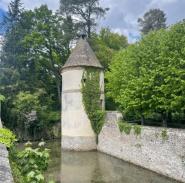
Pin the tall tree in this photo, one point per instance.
(149, 77)
(14, 13)
(48, 43)
(85, 12)
(106, 44)
(31, 59)
(154, 19)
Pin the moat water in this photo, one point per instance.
(95, 167)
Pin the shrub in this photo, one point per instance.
(7, 137)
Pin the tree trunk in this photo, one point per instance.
(0, 116)
(89, 30)
(59, 92)
(169, 117)
(142, 119)
(89, 23)
(164, 119)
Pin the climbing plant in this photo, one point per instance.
(164, 134)
(91, 98)
(127, 127)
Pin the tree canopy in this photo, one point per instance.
(84, 12)
(106, 44)
(34, 50)
(154, 19)
(149, 77)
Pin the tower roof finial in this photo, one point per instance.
(82, 55)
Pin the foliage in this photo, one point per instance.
(148, 77)
(25, 102)
(106, 44)
(91, 98)
(32, 114)
(164, 134)
(48, 43)
(125, 127)
(33, 163)
(17, 176)
(152, 20)
(137, 129)
(35, 47)
(2, 98)
(14, 11)
(7, 137)
(85, 13)
(29, 164)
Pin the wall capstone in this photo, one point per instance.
(5, 170)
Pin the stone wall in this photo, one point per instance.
(5, 170)
(150, 150)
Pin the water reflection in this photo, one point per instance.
(94, 167)
(54, 170)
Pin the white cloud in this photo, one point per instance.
(52, 4)
(31, 4)
(123, 14)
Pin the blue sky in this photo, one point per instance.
(123, 14)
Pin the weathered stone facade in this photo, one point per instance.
(150, 150)
(79, 143)
(5, 170)
(77, 133)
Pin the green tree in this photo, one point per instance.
(127, 85)
(14, 66)
(25, 104)
(13, 16)
(33, 115)
(148, 77)
(48, 44)
(106, 44)
(31, 59)
(10, 64)
(85, 12)
(152, 20)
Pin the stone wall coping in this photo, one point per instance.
(5, 169)
(156, 128)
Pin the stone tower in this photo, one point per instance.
(77, 133)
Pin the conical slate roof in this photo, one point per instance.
(82, 55)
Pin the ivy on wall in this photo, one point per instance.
(91, 98)
(127, 127)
